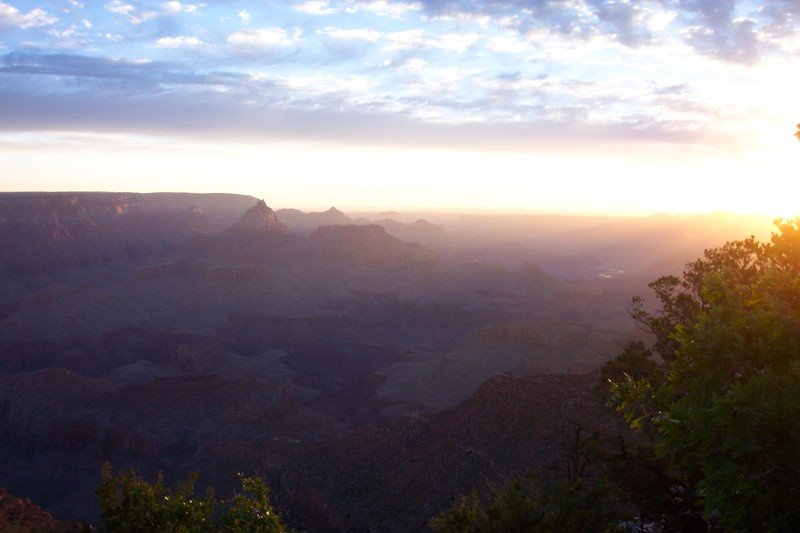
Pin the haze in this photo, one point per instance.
(572, 106)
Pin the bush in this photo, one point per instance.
(130, 503)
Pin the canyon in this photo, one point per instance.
(371, 369)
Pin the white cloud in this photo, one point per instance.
(404, 40)
(415, 64)
(245, 16)
(176, 7)
(178, 42)
(260, 38)
(658, 19)
(315, 7)
(68, 33)
(389, 9)
(360, 34)
(116, 6)
(455, 42)
(325, 83)
(11, 16)
(129, 12)
(511, 83)
(409, 39)
(510, 43)
(86, 23)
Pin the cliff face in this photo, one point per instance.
(400, 474)
(17, 514)
(29, 211)
(51, 232)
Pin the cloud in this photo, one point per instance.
(419, 39)
(176, 7)
(359, 34)
(714, 30)
(65, 38)
(510, 43)
(737, 42)
(257, 39)
(781, 17)
(347, 43)
(389, 9)
(383, 8)
(80, 93)
(726, 30)
(129, 11)
(630, 23)
(13, 17)
(454, 42)
(325, 83)
(529, 66)
(315, 7)
(178, 42)
(405, 40)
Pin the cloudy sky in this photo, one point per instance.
(636, 106)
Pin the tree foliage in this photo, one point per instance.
(129, 503)
(523, 506)
(718, 394)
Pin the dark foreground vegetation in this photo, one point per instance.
(130, 503)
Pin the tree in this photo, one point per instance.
(522, 505)
(129, 503)
(250, 510)
(719, 391)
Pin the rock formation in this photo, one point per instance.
(258, 220)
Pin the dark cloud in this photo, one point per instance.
(79, 67)
(625, 21)
(783, 17)
(713, 28)
(735, 42)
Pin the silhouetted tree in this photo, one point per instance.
(718, 394)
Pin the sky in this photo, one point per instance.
(569, 106)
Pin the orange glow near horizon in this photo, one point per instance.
(313, 176)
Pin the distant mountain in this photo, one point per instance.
(243, 251)
(305, 223)
(258, 220)
(362, 243)
(420, 231)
